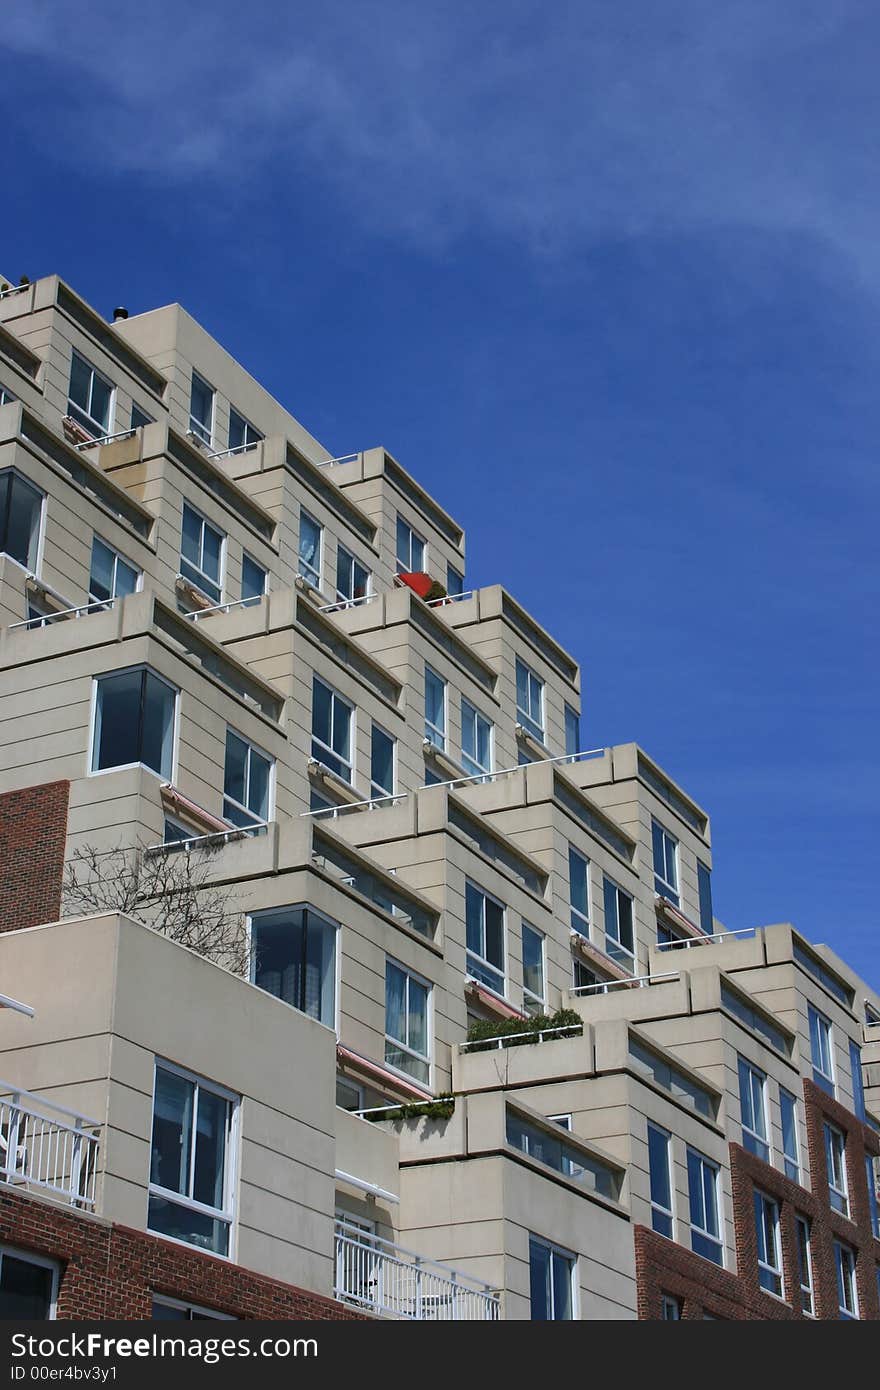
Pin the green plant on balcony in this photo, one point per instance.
(520, 1032)
(440, 1108)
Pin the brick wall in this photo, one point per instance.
(110, 1271)
(33, 833)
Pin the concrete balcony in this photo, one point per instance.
(383, 1278)
(46, 1148)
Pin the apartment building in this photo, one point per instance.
(341, 978)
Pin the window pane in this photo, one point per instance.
(210, 1161)
(20, 519)
(539, 1282)
(395, 1002)
(704, 880)
(473, 900)
(117, 730)
(321, 702)
(25, 1289)
(418, 1017)
(191, 540)
(169, 1218)
(172, 1131)
(236, 763)
(158, 732)
(533, 961)
(561, 1287)
(80, 382)
(258, 789)
(494, 933)
(101, 578)
(101, 397)
(253, 578)
(658, 1156)
(381, 760)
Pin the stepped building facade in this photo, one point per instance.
(340, 979)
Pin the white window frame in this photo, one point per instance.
(668, 1212)
(823, 1039)
(251, 435)
(206, 1314)
(431, 730)
(352, 731)
(609, 935)
(305, 569)
(399, 1043)
(253, 598)
(666, 889)
(805, 1266)
(525, 717)
(368, 587)
(528, 996)
(845, 1273)
(41, 524)
(575, 912)
(754, 1140)
(468, 762)
(327, 921)
(791, 1162)
(197, 427)
(377, 792)
(572, 1259)
(711, 1237)
(93, 771)
(670, 1307)
(30, 1257)
(198, 569)
(75, 411)
(482, 959)
(835, 1166)
(414, 535)
(270, 789)
(228, 1213)
(768, 1243)
(117, 557)
(571, 717)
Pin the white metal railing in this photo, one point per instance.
(450, 598)
(235, 832)
(685, 942)
(331, 812)
(45, 1146)
(45, 618)
(343, 458)
(347, 603)
(383, 1278)
(105, 439)
(236, 449)
(639, 981)
(568, 1030)
(506, 771)
(14, 289)
(222, 607)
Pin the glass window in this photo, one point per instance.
(21, 514)
(660, 1166)
(201, 553)
(805, 1263)
(410, 549)
(191, 1177)
(332, 719)
(407, 1030)
(171, 1309)
(293, 953)
(110, 576)
(835, 1162)
(139, 418)
(533, 968)
(27, 1286)
(247, 782)
(769, 1249)
(485, 938)
(529, 700)
(753, 1109)
(242, 434)
(551, 1281)
(476, 741)
(704, 1206)
(665, 863)
(90, 397)
(572, 731)
(872, 1177)
(790, 1147)
(349, 1094)
(173, 833)
(755, 1021)
(253, 580)
(821, 973)
(858, 1087)
(821, 1049)
(310, 547)
(201, 409)
(551, 1149)
(134, 722)
(670, 1308)
(454, 581)
(579, 891)
(619, 944)
(352, 578)
(704, 885)
(671, 1079)
(845, 1266)
(381, 763)
(435, 709)
(6, 396)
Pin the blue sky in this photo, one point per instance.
(606, 278)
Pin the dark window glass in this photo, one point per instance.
(21, 507)
(25, 1289)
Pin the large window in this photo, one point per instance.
(352, 578)
(134, 722)
(821, 1049)
(90, 398)
(858, 1085)
(619, 943)
(660, 1168)
(21, 514)
(803, 1233)
(28, 1286)
(672, 1080)
(310, 548)
(435, 709)
(110, 575)
(704, 1206)
(529, 701)
(551, 1281)
(557, 1153)
(845, 1267)
(572, 731)
(293, 955)
(476, 741)
(247, 782)
(704, 886)
(254, 580)
(191, 1167)
(381, 763)
(201, 553)
(753, 1109)
(665, 863)
(790, 1147)
(768, 1243)
(484, 917)
(411, 549)
(454, 581)
(332, 724)
(579, 891)
(201, 409)
(835, 1162)
(533, 968)
(407, 1023)
(242, 434)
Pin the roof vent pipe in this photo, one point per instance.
(120, 313)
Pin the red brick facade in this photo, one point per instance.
(33, 833)
(111, 1272)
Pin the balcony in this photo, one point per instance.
(46, 1148)
(384, 1279)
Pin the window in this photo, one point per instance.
(579, 891)
(572, 731)
(201, 553)
(173, 833)
(410, 549)
(660, 1168)
(454, 581)
(753, 1109)
(553, 1150)
(618, 925)
(476, 741)
(704, 886)
(381, 763)
(872, 1177)
(191, 1165)
(529, 701)
(21, 515)
(349, 1094)
(858, 1086)
(769, 1249)
(665, 863)
(242, 434)
(551, 1281)
(310, 547)
(90, 398)
(6, 396)
(703, 1197)
(670, 1308)
(253, 580)
(134, 722)
(672, 1080)
(485, 938)
(435, 709)
(332, 719)
(407, 1023)
(845, 1265)
(172, 1308)
(821, 1049)
(28, 1286)
(533, 969)
(139, 418)
(821, 973)
(293, 956)
(110, 575)
(352, 578)
(805, 1263)
(835, 1162)
(247, 782)
(790, 1148)
(201, 409)
(735, 1004)
(582, 976)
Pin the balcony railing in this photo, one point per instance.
(685, 943)
(383, 1278)
(45, 1147)
(63, 614)
(634, 982)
